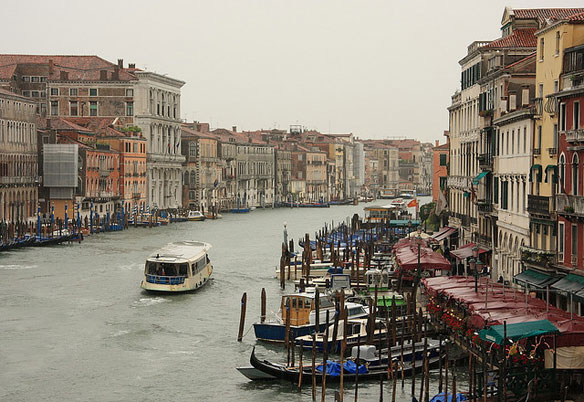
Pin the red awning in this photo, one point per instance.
(429, 260)
(466, 251)
(443, 233)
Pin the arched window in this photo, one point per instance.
(575, 163)
(193, 179)
(562, 169)
(186, 179)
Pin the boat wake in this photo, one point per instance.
(15, 267)
(149, 301)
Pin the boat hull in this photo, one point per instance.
(190, 284)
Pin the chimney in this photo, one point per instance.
(234, 129)
(116, 73)
(51, 66)
(64, 75)
(437, 143)
(132, 65)
(103, 75)
(121, 63)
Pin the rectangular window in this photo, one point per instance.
(540, 91)
(524, 139)
(555, 139)
(92, 91)
(562, 117)
(496, 190)
(93, 108)
(539, 137)
(73, 108)
(504, 195)
(442, 159)
(129, 108)
(54, 91)
(73, 92)
(25, 93)
(26, 78)
(129, 92)
(557, 43)
(54, 108)
(541, 49)
(561, 240)
(574, 240)
(35, 79)
(576, 116)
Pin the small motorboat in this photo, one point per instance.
(196, 216)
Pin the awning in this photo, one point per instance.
(476, 180)
(570, 283)
(466, 251)
(517, 331)
(537, 168)
(534, 278)
(554, 173)
(404, 222)
(443, 233)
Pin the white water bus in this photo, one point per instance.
(178, 267)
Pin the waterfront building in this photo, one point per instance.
(283, 176)
(383, 163)
(18, 158)
(565, 37)
(203, 174)
(131, 146)
(440, 162)
(157, 112)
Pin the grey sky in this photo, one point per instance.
(374, 68)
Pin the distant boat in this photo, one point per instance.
(196, 216)
(240, 210)
(178, 267)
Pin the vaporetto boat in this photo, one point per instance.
(178, 267)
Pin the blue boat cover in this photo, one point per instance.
(335, 270)
(440, 397)
(334, 368)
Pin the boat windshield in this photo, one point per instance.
(166, 269)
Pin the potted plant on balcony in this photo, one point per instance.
(569, 209)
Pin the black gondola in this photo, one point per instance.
(374, 372)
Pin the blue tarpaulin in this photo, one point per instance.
(441, 396)
(334, 368)
(335, 270)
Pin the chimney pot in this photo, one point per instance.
(51, 66)
(121, 63)
(234, 129)
(132, 65)
(437, 142)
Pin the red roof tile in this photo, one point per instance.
(78, 67)
(518, 38)
(541, 14)
(62, 124)
(579, 17)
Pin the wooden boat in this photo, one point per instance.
(240, 210)
(371, 372)
(178, 267)
(302, 310)
(195, 216)
(19, 243)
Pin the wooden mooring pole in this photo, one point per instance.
(242, 317)
(263, 306)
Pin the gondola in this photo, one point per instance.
(366, 372)
(27, 242)
(43, 242)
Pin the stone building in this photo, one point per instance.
(18, 157)
(157, 113)
(440, 160)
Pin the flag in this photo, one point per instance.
(441, 203)
(413, 203)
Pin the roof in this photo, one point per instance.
(62, 124)
(187, 132)
(518, 38)
(79, 67)
(180, 251)
(578, 18)
(441, 147)
(542, 14)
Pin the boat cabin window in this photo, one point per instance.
(199, 265)
(355, 311)
(324, 302)
(166, 269)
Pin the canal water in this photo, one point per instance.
(75, 324)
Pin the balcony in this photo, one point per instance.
(570, 205)
(136, 196)
(538, 107)
(485, 206)
(537, 204)
(575, 135)
(551, 105)
(573, 60)
(105, 172)
(537, 257)
(26, 180)
(485, 161)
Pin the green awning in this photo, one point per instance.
(466, 194)
(534, 278)
(476, 180)
(570, 283)
(404, 222)
(517, 331)
(554, 173)
(398, 302)
(537, 168)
